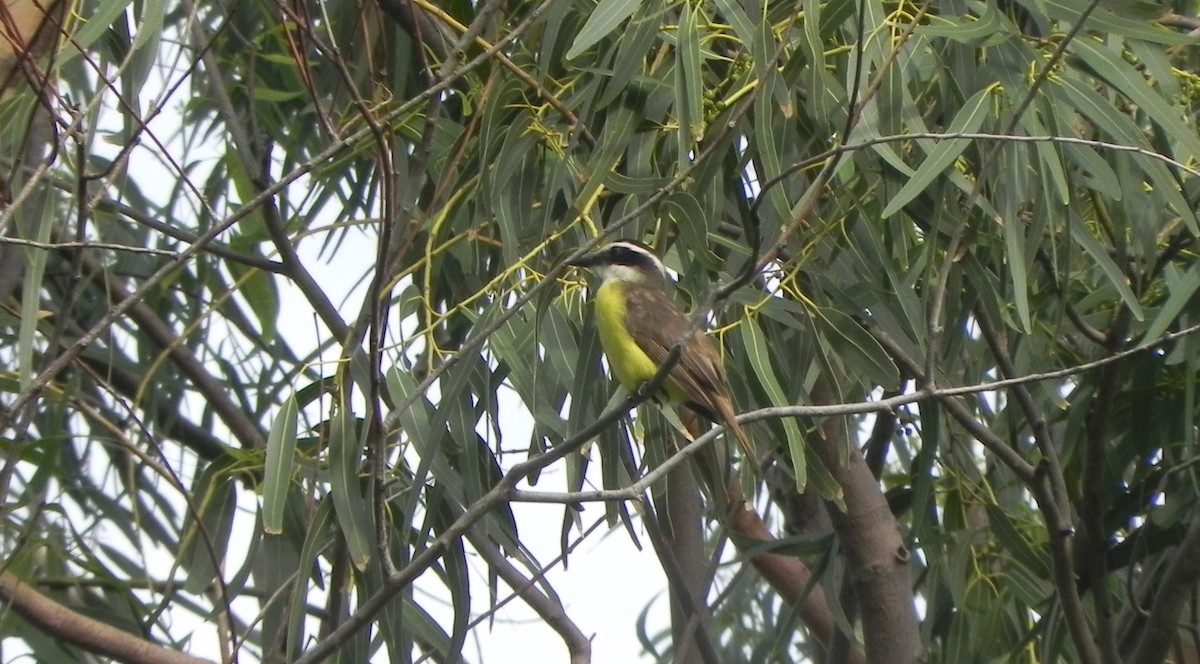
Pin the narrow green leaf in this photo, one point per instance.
(315, 540)
(97, 24)
(756, 37)
(1128, 81)
(1097, 109)
(259, 290)
(263, 93)
(1052, 167)
(1017, 542)
(504, 188)
(274, 580)
(623, 184)
(925, 507)
(1024, 584)
(1121, 129)
(766, 145)
(690, 222)
(31, 298)
(1014, 242)
(823, 98)
(757, 350)
(877, 261)
(968, 29)
(206, 545)
(1095, 172)
(353, 512)
(457, 578)
(603, 20)
(629, 63)
(683, 115)
(619, 130)
(688, 50)
(859, 350)
(513, 344)
(427, 630)
(144, 52)
(1100, 255)
(745, 29)
(589, 392)
(1181, 287)
(943, 156)
(427, 433)
(281, 457)
(1124, 21)
(558, 344)
(760, 358)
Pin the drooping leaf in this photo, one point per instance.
(605, 18)
(972, 115)
(353, 512)
(277, 472)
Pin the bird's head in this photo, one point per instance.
(625, 260)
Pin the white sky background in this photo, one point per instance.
(609, 581)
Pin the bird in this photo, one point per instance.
(639, 323)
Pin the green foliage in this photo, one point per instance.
(323, 309)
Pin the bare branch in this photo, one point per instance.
(60, 622)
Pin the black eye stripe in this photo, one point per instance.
(625, 256)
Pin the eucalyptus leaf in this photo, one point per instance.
(605, 18)
(280, 464)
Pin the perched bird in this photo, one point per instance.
(639, 323)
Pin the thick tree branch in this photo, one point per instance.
(683, 535)
(1095, 544)
(60, 622)
(878, 443)
(687, 578)
(787, 575)
(877, 558)
(1097, 494)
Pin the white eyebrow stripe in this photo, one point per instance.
(637, 248)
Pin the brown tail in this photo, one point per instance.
(729, 420)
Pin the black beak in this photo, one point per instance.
(586, 260)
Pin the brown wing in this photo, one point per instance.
(656, 322)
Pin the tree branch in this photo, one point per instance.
(1095, 543)
(215, 393)
(877, 558)
(787, 575)
(1058, 528)
(683, 540)
(60, 622)
(549, 609)
(1177, 584)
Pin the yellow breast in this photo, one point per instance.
(626, 360)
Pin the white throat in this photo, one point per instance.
(622, 273)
